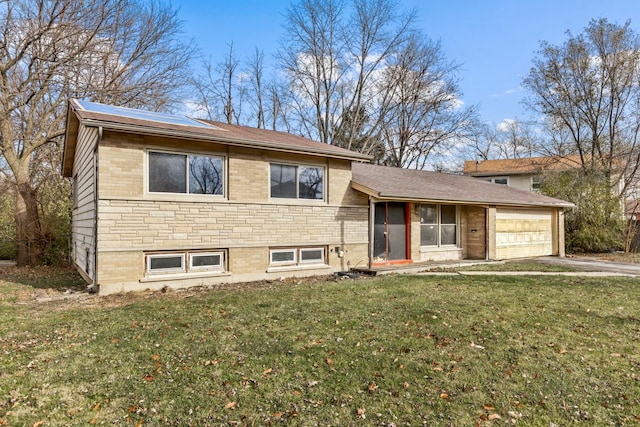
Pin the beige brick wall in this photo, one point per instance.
(125, 271)
(151, 225)
(245, 222)
(248, 175)
(120, 167)
(472, 232)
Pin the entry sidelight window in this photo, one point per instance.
(438, 225)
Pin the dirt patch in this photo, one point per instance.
(49, 299)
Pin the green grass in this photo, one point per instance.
(514, 266)
(399, 350)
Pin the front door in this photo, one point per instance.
(390, 232)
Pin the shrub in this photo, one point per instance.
(596, 224)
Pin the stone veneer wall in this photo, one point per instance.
(245, 223)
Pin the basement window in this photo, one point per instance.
(185, 262)
(297, 256)
(165, 263)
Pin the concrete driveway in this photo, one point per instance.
(592, 264)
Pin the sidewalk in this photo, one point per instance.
(583, 266)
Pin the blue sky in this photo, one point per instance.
(494, 40)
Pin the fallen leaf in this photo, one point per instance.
(329, 361)
(267, 371)
(96, 406)
(148, 378)
(444, 395)
(231, 405)
(405, 385)
(278, 414)
(562, 351)
(155, 357)
(492, 417)
(140, 422)
(372, 387)
(488, 407)
(360, 412)
(93, 421)
(38, 423)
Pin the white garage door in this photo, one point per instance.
(523, 233)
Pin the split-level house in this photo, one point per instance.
(166, 201)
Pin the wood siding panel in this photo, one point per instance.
(83, 244)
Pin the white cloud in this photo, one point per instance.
(507, 92)
(506, 125)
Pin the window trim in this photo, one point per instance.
(298, 166)
(187, 268)
(283, 250)
(213, 267)
(187, 155)
(439, 225)
(314, 261)
(297, 255)
(149, 257)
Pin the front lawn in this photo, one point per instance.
(391, 351)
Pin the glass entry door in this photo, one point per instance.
(390, 232)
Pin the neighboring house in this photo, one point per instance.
(162, 201)
(523, 174)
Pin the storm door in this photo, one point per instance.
(390, 232)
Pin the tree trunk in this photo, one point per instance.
(30, 243)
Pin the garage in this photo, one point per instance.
(522, 232)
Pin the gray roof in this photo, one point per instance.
(386, 182)
(149, 123)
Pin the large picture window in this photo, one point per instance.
(297, 182)
(185, 173)
(438, 225)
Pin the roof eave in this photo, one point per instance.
(70, 140)
(240, 142)
(403, 198)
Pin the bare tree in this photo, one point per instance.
(256, 77)
(588, 89)
(424, 110)
(312, 57)
(221, 91)
(117, 51)
(516, 139)
(360, 74)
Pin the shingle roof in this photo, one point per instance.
(404, 184)
(149, 123)
(529, 165)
